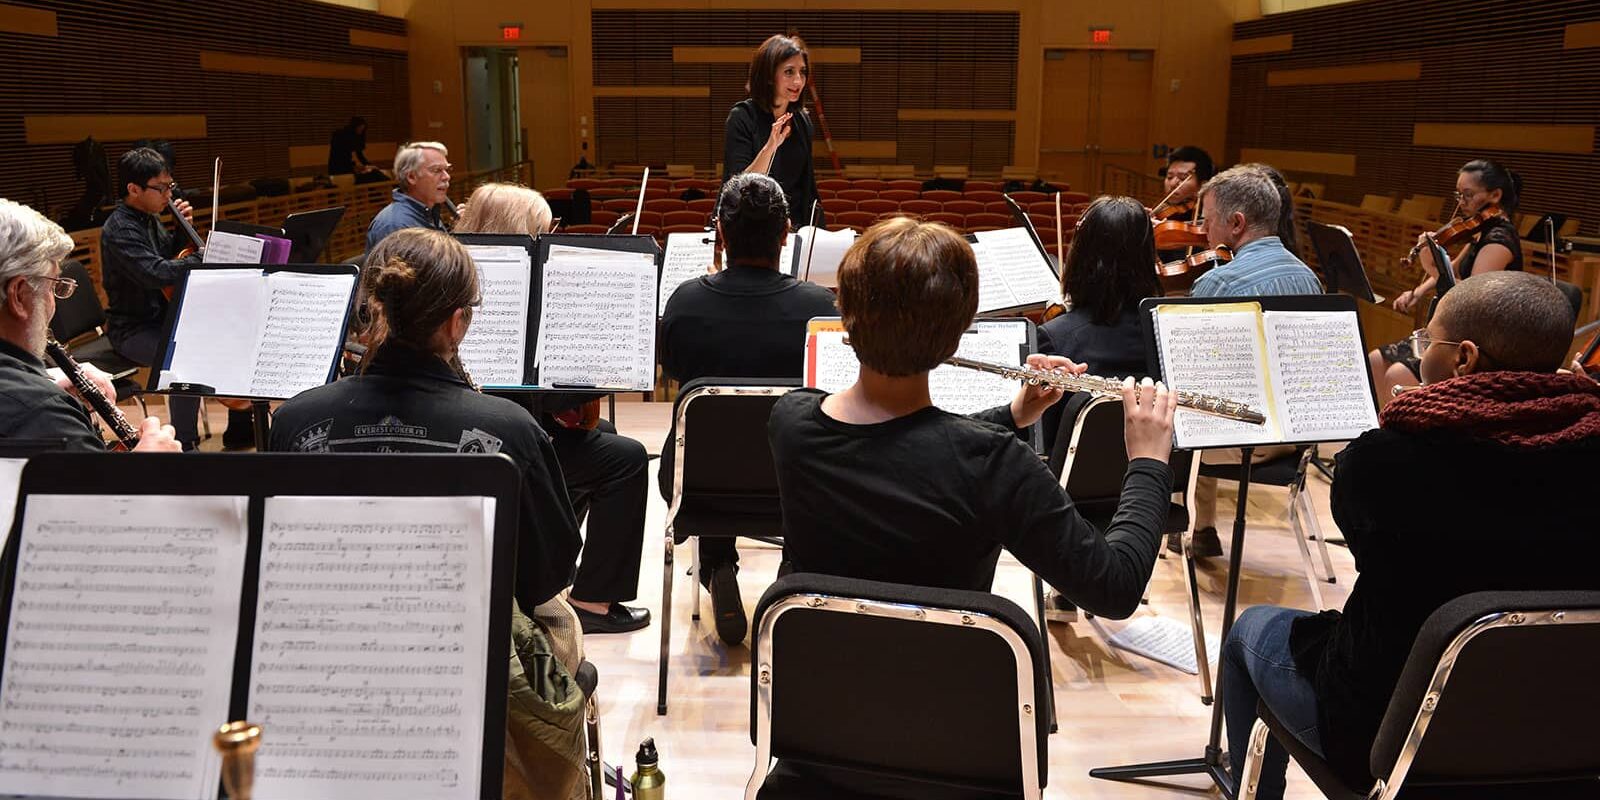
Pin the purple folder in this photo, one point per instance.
(276, 251)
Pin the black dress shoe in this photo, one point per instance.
(727, 607)
(620, 619)
(1206, 543)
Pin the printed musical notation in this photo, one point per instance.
(1320, 375)
(495, 347)
(299, 340)
(109, 692)
(1218, 351)
(370, 646)
(832, 366)
(1011, 271)
(688, 256)
(598, 326)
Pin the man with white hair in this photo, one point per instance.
(422, 182)
(34, 403)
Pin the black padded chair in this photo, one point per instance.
(1498, 699)
(82, 317)
(864, 690)
(724, 485)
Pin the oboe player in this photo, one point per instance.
(34, 403)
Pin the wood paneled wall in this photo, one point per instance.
(1398, 94)
(246, 80)
(872, 66)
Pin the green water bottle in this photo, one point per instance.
(649, 782)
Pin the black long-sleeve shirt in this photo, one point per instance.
(412, 402)
(930, 498)
(744, 134)
(32, 406)
(139, 257)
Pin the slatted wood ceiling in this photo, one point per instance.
(1483, 61)
(112, 58)
(943, 60)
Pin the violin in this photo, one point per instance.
(1173, 235)
(1195, 264)
(1457, 229)
(1589, 358)
(1164, 212)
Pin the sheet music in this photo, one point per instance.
(1216, 349)
(954, 389)
(1011, 271)
(250, 334)
(688, 256)
(1161, 639)
(495, 347)
(301, 335)
(232, 248)
(371, 647)
(10, 482)
(1319, 373)
(830, 248)
(120, 652)
(786, 260)
(598, 327)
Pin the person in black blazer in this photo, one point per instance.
(769, 131)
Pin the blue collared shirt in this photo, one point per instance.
(1261, 268)
(403, 211)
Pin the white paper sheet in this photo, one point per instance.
(495, 347)
(1012, 272)
(120, 653)
(598, 322)
(232, 248)
(954, 389)
(1161, 639)
(1220, 353)
(249, 334)
(1319, 372)
(688, 256)
(371, 647)
(822, 266)
(10, 482)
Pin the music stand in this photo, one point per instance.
(1342, 270)
(1210, 763)
(1022, 219)
(260, 476)
(308, 233)
(248, 229)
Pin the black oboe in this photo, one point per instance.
(91, 394)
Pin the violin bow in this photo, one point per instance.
(1061, 254)
(638, 208)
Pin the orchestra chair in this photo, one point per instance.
(902, 691)
(1494, 701)
(1089, 458)
(723, 481)
(962, 206)
(984, 221)
(856, 194)
(859, 220)
(1381, 203)
(900, 195)
(878, 205)
(1025, 197)
(82, 317)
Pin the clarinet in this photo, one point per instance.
(126, 433)
(1112, 387)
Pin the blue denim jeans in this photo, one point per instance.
(1257, 665)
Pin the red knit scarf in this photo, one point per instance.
(1520, 409)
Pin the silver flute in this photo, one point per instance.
(1112, 387)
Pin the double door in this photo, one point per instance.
(1096, 112)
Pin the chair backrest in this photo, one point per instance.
(80, 313)
(1499, 687)
(723, 457)
(933, 685)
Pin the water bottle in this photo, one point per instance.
(649, 782)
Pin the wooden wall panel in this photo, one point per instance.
(961, 65)
(70, 128)
(113, 60)
(1302, 161)
(1356, 73)
(1514, 80)
(1281, 43)
(31, 21)
(1581, 34)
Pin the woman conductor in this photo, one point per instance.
(769, 131)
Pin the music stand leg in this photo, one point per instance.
(1211, 763)
(261, 419)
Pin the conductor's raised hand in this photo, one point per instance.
(780, 132)
(1147, 411)
(157, 438)
(1031, 401)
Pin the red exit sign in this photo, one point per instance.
(1100, 35)
(510, 32)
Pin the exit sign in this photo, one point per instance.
(1100, 35)
(511, 32)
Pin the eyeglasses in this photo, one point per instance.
(162, 188)
(63, 288)
(1421, 340)
(438, 169)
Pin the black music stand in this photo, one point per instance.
(1210, 762)
(309, 232)
(1023, 220)
(260, 476)
(1342, 270)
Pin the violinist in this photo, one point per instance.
(1486, 190)
(1188, 168)
(1243, 208)
(606, 475)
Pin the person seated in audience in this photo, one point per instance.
(34, 401)
(1491, 452)
(1243, 209)
(607, 476)
(878, 483)
(140, 262)
(413, 396)
(747, 321)
(1480, 184)
(422, 183)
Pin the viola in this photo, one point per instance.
(196, 243)
(1456, 230)
(1173, 235)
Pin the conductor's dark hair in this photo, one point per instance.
(1204, 167)
(1111, 265)
(1494, 175)
(1521, 321)
(754, 217)
(139, 165)
(777, 49)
